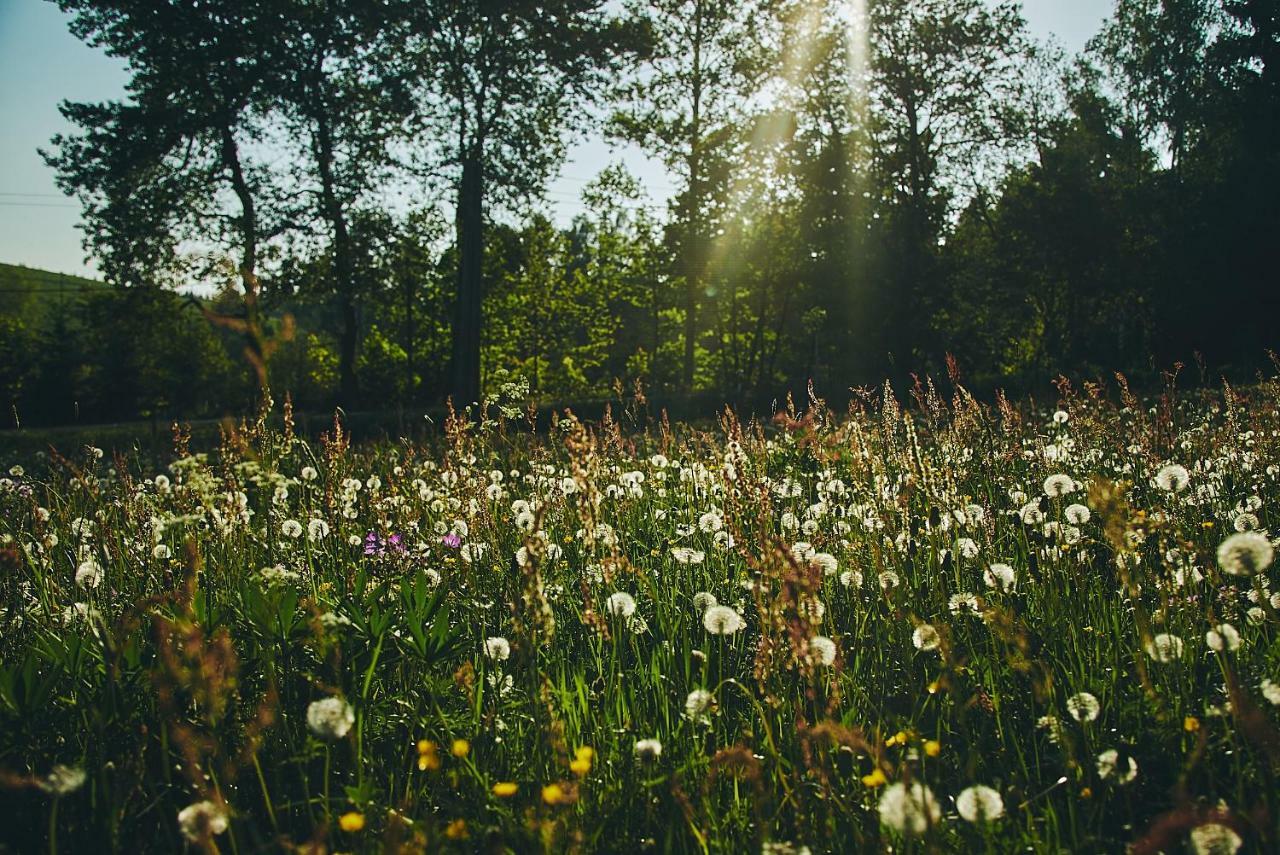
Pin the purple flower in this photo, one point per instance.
(373, 544)
(451, 540)
(396, 542)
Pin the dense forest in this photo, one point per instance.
(346, 200)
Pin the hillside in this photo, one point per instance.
(30, 293)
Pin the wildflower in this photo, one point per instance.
(925, 637)
(201, 820)
(909, 808)
(932, 747)
(62, 780)
(1077, 514)
(1214, 838)
(1191, 724)
(1053, 724)
(889, 579)
(291, 528)
(1271, 691)
(456, 830)
(497, 648)
(648, 750)
(851, 579)
(351, 821)
(826, 562)
(1173, 478)
(621, 604)
(722, 620)
(963, 602)
(999, 576)
(698, 704)
(581, 763)
(317, 529)
(428, 756)
(1109, 764)
(460, 748)
(309, 473)
(1057, 486)
(1165, 647)
(89, 574)
(554, 794)
(979, 803)
(1245, 522)
(875, 779)
(822, 650)
(330, 718)
(452, 540)
(703, 601)
(1222, 637)
(1245, 553)
(685, 555)
(505, 789)
(1083, 706)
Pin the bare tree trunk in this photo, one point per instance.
(252, 331)
(467, 314)
(343, 262)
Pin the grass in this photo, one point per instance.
(503, 641)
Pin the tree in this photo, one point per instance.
(150, 172)
(707, 61)
(500, 82)
(1159, 53)
(344, 98)
(946, 92)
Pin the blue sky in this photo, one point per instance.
(41, 64)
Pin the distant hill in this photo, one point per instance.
(30, 293)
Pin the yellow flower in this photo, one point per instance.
(552, 794)
(581, 762)
(1191, 724)
(875, 779)
(1086, 793)
(1207, 524)
(933, 748)
(456, 830)
(352, 821)
(505, 789)
(428, 756)
(460, 748)
(933, 687)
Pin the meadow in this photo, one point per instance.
(921, 625)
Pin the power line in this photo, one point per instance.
(36, 205)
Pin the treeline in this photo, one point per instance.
(861, 190)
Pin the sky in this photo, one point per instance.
(42, 64)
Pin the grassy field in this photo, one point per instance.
(932, 626)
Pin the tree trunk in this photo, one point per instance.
(694, 250)
(466, 313)
(253, 344)
(343, 262)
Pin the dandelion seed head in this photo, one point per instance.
(330, 718)
(909, 808)
(1245, 553)
(979, 803)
